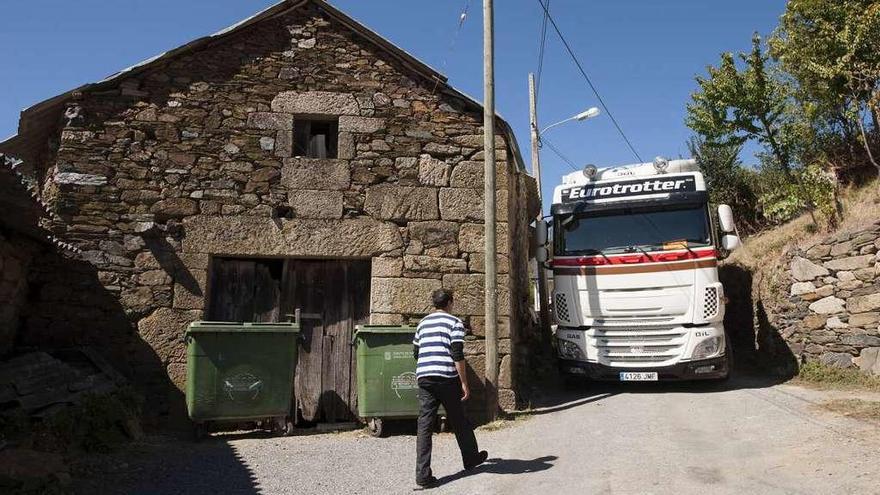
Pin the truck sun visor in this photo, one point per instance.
(637, 187)
(674, 198)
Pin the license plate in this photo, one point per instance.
(638, 376)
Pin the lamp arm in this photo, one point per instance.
(556, 124)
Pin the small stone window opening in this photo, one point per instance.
(315, 138)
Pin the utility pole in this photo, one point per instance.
(491, 282)
(544, 314)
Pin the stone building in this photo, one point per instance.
(296, 160)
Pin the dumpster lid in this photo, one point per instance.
(240, 327)
(385, 329)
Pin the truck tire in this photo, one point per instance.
(571, 382)
(728, 352)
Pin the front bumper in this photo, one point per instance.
(680, 371)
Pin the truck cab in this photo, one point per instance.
(636, 294)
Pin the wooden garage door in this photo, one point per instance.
(245, 290)
(332, 296)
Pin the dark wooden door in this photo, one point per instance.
(333, 297)
(245, 290)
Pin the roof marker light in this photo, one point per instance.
(590, 171)
(661, 164)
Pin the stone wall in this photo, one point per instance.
(192, 159)
(834, 296)
(16, 254)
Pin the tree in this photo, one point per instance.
(832, 49)
(733, 106)
(727, 180)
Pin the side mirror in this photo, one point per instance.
(541, 233)
(725, 219)
(731, 242)
(542, 254)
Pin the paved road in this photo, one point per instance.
(746, 438)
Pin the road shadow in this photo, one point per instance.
(167, 466)
(556, 396)
(503, 466)
(561, 399)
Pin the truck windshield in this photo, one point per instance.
(630, 230)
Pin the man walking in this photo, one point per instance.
(438, 347)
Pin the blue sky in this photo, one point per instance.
(641, 54)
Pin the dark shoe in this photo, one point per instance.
(427, 483)
(476, 461)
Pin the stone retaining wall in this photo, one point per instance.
(834, 291)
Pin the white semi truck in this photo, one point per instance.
(636, 295)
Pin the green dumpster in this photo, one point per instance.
(237, 372)
(386, 375)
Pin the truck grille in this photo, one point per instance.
(633, 346)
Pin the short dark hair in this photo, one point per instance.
(441, 298)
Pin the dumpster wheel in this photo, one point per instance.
(376, 426)
(282, 426)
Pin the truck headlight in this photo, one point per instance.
(570, 350)
(709, 347)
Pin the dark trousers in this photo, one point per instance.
(434, 391)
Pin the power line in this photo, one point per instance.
(461, 18)
(541, 51)
(558, 153)
(587, 78)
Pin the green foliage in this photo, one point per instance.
(832, 47)
(819, 189)
(727, 180)
(783, 195)
(780, 198)
(825, 376)
(832, 50)
(736, 105)
(99, 423)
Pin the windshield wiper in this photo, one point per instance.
(593, 252)
(632, 248)
(696, 241)
(625, 248)
(640, 248)
(685, 245)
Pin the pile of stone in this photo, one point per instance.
(835, 291)
(41, 385)
(36, 386)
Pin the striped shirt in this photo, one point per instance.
(434, 337)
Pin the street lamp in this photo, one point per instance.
(586, 114)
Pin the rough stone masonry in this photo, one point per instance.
(191, 156)
(834, 296)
